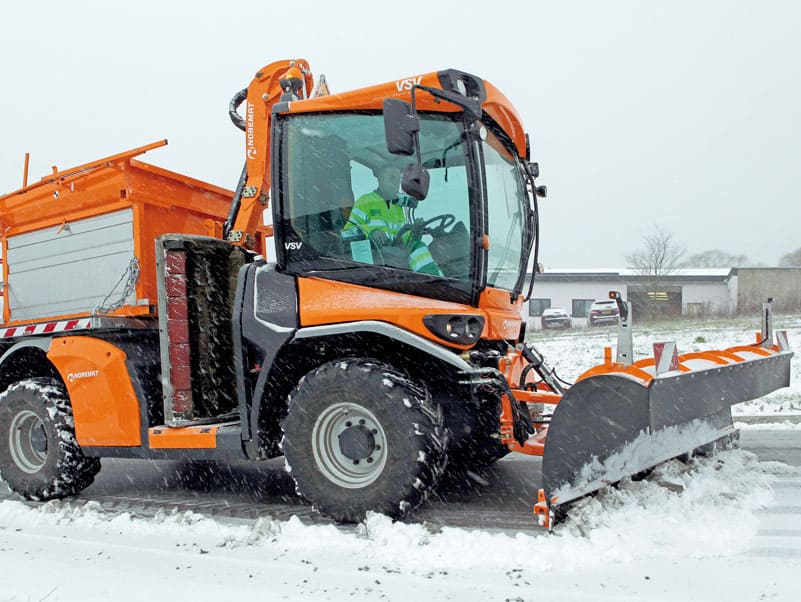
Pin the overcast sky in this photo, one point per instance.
(682, 114)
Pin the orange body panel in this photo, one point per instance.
(104, 404)
(331, 302)
(187, 437)
(503, 317)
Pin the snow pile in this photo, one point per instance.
(706, 508)
(702, 509)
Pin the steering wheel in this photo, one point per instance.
(420, 227)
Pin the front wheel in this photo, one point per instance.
(360, 436)
(39, 456)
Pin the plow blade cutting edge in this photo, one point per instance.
(614, 425)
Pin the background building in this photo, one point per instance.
(693, 293)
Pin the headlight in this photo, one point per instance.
(460, 329)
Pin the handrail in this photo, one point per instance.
(63, 174)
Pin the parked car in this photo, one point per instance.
(555, 317)
(603, 312)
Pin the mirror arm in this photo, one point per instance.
(471, 106)
(417, 133)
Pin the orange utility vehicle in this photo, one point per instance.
(141, 320)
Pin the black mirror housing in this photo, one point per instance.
(400, 126)
(415, 181)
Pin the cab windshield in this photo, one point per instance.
(507, 215)
(343, 213)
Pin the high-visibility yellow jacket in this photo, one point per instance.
(371, 212)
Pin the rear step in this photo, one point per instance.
(223, 436)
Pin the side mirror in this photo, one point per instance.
(415, 181)
(401, 125)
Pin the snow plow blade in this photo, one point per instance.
(613, 425)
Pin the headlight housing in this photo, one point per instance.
(461, 329)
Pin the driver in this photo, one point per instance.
(380, 215)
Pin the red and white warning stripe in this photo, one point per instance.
(782, 341)
(46, 328)
(666, 357)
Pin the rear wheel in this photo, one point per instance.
(39, 456)
(360, 436)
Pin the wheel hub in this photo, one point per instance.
(39, 439)
(27, 441)
(349, 445)
(356, 442)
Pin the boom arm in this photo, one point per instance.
(281, 81)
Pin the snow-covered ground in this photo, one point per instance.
(689, 532)
(571, 352)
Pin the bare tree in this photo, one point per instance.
(792, 259)
(715, 258)
(660, 254)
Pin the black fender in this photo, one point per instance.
(265, 318)
(10, 368)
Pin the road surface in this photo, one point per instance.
(496, 498)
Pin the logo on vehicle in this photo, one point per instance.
(293, 246)
(406, 84)
(251, 146)
(73, 376)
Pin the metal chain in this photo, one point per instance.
(132, 273)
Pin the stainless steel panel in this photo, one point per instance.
(69, 269)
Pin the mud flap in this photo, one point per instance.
(611, 426)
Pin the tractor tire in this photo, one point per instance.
(474, 441)
(40, 459)
(360, 436)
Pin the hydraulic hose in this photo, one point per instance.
(239, 122)
(235, 203)
(237, 100)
